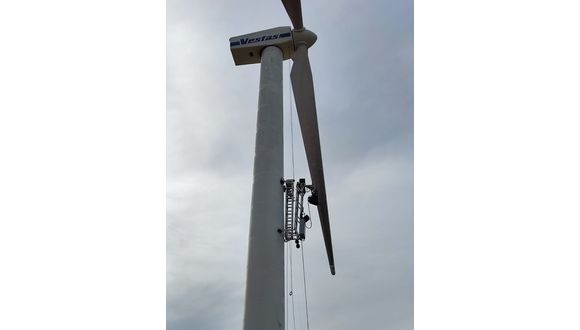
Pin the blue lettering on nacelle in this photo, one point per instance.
(246, 41)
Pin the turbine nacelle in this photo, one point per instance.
(247, 48)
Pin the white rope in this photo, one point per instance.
(292, 290)
(291, 118)
(288, 248)
(305, 296)
(286, 286)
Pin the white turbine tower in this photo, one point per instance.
(274, 219)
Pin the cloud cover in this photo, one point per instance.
(363, 74)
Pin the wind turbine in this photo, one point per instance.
(274, 219)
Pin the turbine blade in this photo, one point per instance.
(294, 10)
(303, 86)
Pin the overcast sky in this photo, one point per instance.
(363, 76)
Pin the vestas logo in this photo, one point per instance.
(253, 40)
(246, 41)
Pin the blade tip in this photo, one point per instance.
(332, 271)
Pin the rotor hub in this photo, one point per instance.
(303, 36)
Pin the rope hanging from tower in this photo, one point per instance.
(294, 227)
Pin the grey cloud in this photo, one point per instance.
(199, 306)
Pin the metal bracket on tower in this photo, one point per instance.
(294, 219)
